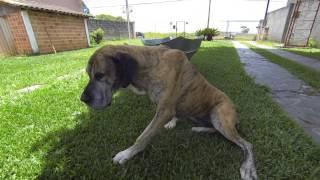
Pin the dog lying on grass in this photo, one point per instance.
(170, 81)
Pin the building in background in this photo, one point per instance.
(293, 25)
(42, 26)
(112, 29)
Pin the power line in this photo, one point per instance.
(265, 0)
(143, 3)
(240, 20)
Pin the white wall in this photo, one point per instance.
(316, 30)
(276, 21)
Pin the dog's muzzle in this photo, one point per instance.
(89, 101)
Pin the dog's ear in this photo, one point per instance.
(126, 68)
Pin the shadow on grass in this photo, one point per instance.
(86, 150)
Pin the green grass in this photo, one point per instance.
(269, 43)
(20, 71)
(310, 76)
(50, 134)
(245, 37)
(308, 52)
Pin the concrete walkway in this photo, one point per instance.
(299, 100)
(307, 61)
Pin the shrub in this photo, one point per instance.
(199, 32)
(97, 35)
(208, 33)
(312, 43)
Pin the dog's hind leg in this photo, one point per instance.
(171, 124)
(224, 121)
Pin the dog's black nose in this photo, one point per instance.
(85, 98)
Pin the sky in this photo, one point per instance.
(156, 15)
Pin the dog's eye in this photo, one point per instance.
(98, 76)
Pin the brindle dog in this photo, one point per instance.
(174, 84)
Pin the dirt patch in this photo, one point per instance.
(29, 88)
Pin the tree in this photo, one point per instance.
(208, 33)
(244, 29)
(109, 17)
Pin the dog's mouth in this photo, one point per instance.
(98, 101)
(98, 107)
(98, 104)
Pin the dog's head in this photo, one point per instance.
(107, 73)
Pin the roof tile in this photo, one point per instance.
(73, 7)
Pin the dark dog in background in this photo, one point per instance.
(170, 81)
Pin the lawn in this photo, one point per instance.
(245, 37)
(269, 43)
(50, 134)
(310, 76)
(308, 52)
(19, 72)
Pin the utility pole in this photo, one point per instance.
(184, 29)
(265, 15)
(176, 28)
(209, 14)
(128, 18)
(227, 29)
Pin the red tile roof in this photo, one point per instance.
(72, 7)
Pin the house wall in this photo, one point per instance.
(315, 34)
(19, 33)
(17, 29)
(57, 31)
(112, 29)
(276, 22)
(303, 23)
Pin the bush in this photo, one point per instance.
(208, 33)
(312, 43)
(97, 36)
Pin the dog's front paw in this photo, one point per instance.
(171, 124)
(123, 156)
(248, 172)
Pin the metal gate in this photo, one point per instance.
(6, 41)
